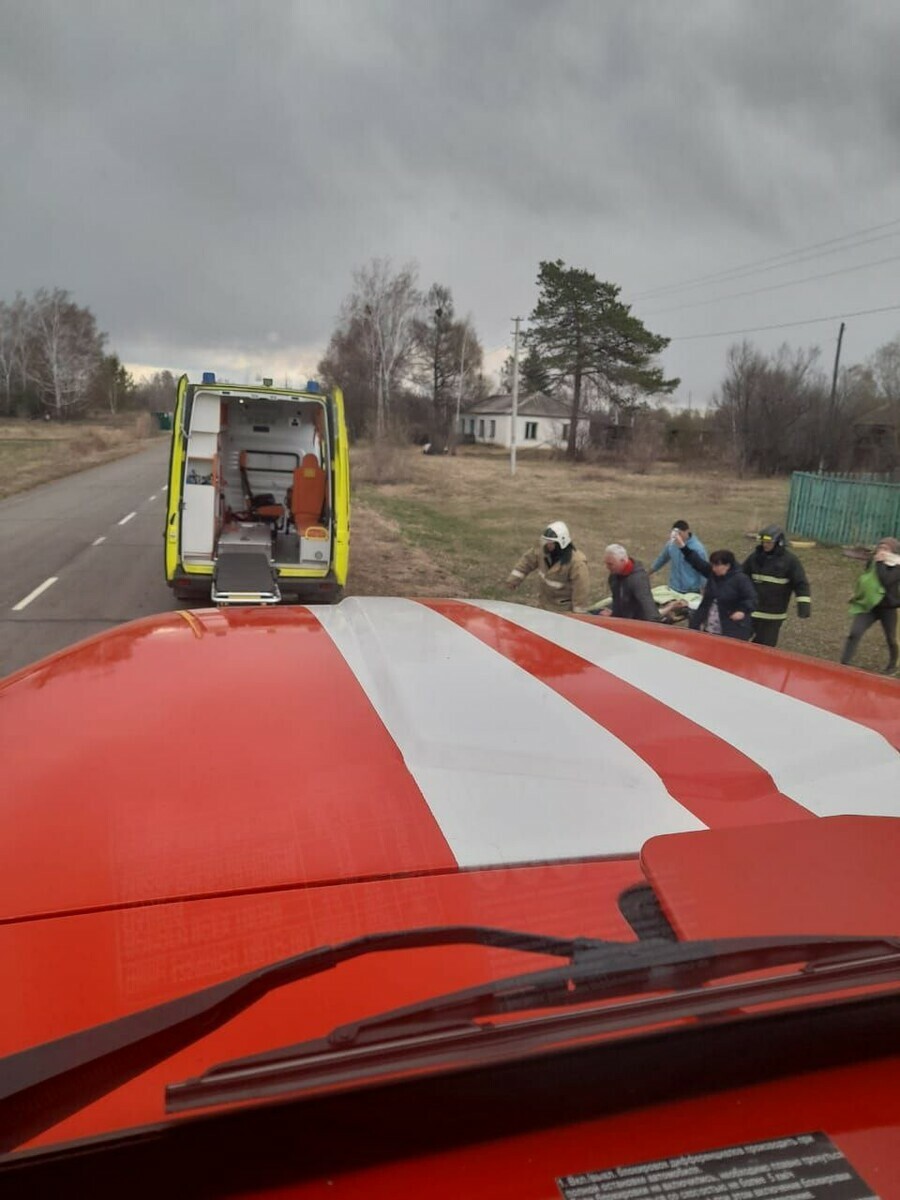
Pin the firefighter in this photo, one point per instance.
(563, 570)
(776, 575)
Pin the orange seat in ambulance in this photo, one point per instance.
(306, 498)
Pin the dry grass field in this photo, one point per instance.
(454, 526)
(33, 452)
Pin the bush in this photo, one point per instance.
(143, 425)
(382, 461)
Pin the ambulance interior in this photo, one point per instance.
(257, 479)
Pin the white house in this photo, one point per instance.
(542, 421)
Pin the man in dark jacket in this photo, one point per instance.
(629, 586)
(776, 575)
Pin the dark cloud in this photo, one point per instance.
(207, 175)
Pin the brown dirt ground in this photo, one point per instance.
(384, 565)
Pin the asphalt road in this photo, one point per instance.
(99, 535)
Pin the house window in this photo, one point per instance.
(481, 428)
(471, 425)
(493, 432)
(565, 432)
(531, 431)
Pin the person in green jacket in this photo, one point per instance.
(876, 599)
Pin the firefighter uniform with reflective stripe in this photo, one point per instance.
(777, 574)
(565, 582)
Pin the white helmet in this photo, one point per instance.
(556, 533)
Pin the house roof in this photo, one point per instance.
(882, 415)
(535, 404)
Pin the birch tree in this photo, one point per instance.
(67, 349)
(385, 305)
(13, 349)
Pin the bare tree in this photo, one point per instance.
(885, 367)
(449, 359)
(67, 349)
(14, 320)
(156, 394)
(774, 409)
(348, 363)
(111, 386)
(385, 305)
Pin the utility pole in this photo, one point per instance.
(837, 359)
(831, 404)
(515, 398)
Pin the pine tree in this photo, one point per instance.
(580, 331)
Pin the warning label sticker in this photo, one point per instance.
(805, 1166)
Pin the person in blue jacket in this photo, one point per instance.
(683, 577)
(728, 598)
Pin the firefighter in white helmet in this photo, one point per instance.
(565, 582)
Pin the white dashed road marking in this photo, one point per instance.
(151, 498)
(125, 520)
(97, 541)
(33, 595)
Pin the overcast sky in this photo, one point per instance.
(206, 176)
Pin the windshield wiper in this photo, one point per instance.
(426, 1033)
(42, 1085)
(45, 1083)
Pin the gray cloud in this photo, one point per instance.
(207, 175)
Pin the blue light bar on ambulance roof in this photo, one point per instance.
(312, 386)
(209, 377)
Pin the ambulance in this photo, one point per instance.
(258, 494)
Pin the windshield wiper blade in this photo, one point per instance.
(42, 1085)
(595, 973)
(45, 1083)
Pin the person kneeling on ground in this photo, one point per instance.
(728, 598)
(563, 570)
(629, 586)
(877, 598)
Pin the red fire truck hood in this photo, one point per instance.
(218, 753)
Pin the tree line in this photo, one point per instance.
(402, 356)
(53, 362)
(407, 362)
(784, 411)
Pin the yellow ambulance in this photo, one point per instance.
(258, 494)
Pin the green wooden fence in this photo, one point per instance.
(843, 509)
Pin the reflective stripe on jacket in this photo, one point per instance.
(565, 584)
(776, 575)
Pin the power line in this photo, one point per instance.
(772, 287)
(752, 268)
(864, 312)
